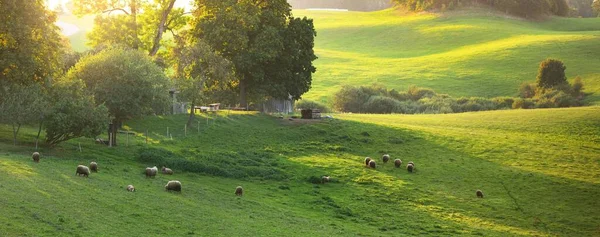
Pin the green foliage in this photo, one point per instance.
(577, 86)
(126, 81)
(136, 24)
(596, 7)
(551, 73)
(521, 103)
(309, 104)
(417, 93)
(199, 71)
(73, 113)
(527, 90)
(377, 99)
(29, 42)
(21, 105)
(272, 52)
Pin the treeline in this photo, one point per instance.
(551, 90)
(523, 8)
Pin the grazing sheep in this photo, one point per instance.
(325, 179)
(239, 191)
(36, 157)
(173, 185)
(372, 164)
(479, 194)
(410, 167)
(94, 166)
(130, 188)
(385, 158)
(151, 172)
(166, 170)
(82, 170)
(397, 163)
(367, 160)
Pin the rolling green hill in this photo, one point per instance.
(465, 53)
(539, 171)
(470, 53)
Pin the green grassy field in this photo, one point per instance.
(539, 170)
(468, 53)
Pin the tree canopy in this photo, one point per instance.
(272, 52)
(126, 81)
(138, 24)
(30, 43)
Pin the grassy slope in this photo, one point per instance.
(461, 54)
(470, 53)
(539, 170)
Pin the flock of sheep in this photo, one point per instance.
(398, 163)
(173, 185)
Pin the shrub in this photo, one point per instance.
(399, 96)
(380, 105)
(503, 102)
(527, 90)
(523, 104)
(562, 99)
(577, 87)
(350, 99)
(309, 104)
(551, 73)
(417, 93)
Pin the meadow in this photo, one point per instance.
(539, 171)
(462, 53)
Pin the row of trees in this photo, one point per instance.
(524, 8)
(254, 49)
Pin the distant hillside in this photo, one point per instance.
(467, 53)
(352, 5)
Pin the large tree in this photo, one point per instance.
(272, 52)
(126, 81)
(30, 43)
(199, 69)
(139, 24)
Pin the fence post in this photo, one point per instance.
(110, 139)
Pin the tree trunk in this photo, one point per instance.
(161, 28)
(112, 132)
(37, 138)
(15, 132)
(243, 101)
(192, 114)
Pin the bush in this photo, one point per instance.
(551, 73)
(350, 99)
(523, 104)
(417, 93)
(73, 113)
(309, 104)
(577, 87)
(527, 90)
(380, 105)
(503, 102)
